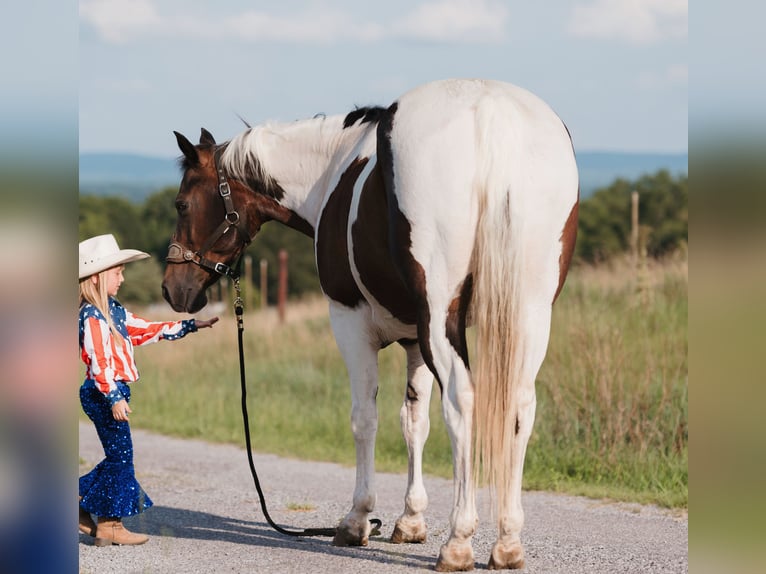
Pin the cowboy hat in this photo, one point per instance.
(102, 252)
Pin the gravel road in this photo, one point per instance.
(207, 519)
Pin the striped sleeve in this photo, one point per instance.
(97, 354)
(143, 332)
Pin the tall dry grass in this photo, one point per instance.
(613, 392)
(612, 417)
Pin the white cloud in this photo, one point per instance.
(454, 21)
(633, 21)
(117, 21)
(311, 27)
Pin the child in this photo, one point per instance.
(108, 333)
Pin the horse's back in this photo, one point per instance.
(488, 128)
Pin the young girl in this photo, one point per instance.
(108, 334)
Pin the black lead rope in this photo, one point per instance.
(238, 311)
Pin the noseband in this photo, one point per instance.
(178, 253)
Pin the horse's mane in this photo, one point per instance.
(367, 114)
(244, 156)
(240, 159)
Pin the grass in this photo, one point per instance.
(613, 392)
(612, 414)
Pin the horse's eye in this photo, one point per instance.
(181, 206)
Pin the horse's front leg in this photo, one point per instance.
(360, 353)
(411, 525)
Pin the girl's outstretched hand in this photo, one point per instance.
(206, 323)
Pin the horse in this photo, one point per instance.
(455, 206)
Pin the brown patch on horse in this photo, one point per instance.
(400, 242)
(372, 255)
(269, 209)
(457, 318)
(331, 240)
(568, 237)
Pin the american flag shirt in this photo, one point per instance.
(109, 359)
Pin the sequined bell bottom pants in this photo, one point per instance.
(111, 488)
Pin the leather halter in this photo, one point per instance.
(178, 253)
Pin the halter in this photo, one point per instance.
(178, 253)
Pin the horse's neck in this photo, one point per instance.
(303, 157)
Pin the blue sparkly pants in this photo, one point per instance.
(111, 488)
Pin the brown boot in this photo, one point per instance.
(111, 531)
(87, 526)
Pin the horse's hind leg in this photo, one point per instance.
(411, 526)
(441, 333)
(360, 355)
(457, 407)
(508, 552)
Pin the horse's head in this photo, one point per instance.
(217, 218)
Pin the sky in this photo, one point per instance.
(616, 71)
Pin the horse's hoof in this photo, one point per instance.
(350, 535)
(410, 530)
(455, 557)
(506, 557)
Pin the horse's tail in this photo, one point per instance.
(498, 264)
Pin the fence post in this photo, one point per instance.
(634, 227)
(248, 286)
(638, 252)
(264, 283)
(282, 293)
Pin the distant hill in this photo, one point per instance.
(135, 176)
(131, 176)
(601, 169)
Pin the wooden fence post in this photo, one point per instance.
(282, 293)
(264, 283)
(249, 284)
(638, 251)
(634, 227)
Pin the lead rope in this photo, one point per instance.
(239, 311)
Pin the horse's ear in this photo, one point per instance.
(188, 149)
(206, 138)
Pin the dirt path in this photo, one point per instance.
(206, 519)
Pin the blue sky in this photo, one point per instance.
(616, 71)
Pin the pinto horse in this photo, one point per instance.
(454, 206)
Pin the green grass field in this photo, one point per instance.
(612, 414)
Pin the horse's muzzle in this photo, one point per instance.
(184, 300)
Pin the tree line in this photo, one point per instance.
(604, 231)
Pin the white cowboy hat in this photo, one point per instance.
(102, 252)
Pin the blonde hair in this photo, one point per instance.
(96, 294)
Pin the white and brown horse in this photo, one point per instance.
(455, 205)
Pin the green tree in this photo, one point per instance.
(605, 217)
(158, 217)
(94, 219)
(112, 214)
(664, 211)
(143, 280)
